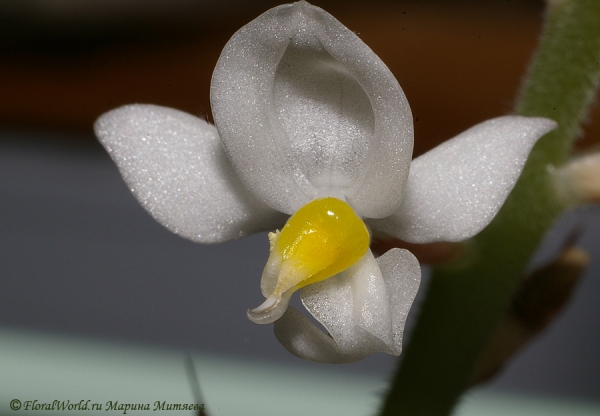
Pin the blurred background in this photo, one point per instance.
(79, 256)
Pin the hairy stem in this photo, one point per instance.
(467, 299)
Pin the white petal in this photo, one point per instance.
(305, 109)
(176, 167)
(364, 309)
(457, 188)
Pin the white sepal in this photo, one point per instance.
(305, 109)
(175, 165)
(457, 188)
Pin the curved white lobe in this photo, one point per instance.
(364, 309)
(306, 109)
(457, 188)
(176, 167)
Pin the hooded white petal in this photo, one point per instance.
(364, 309)
(305, 109)
(176, 167)
(457, 188)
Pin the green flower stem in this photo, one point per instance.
(467, 299)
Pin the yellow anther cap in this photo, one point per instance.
(322, 239)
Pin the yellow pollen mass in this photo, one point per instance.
(321, 239)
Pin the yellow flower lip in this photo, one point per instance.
(322, 239)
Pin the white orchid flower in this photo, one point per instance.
(311, 123)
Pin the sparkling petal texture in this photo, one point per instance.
(176, 167)
(364, 309)
(305, 109)
(457, 188)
